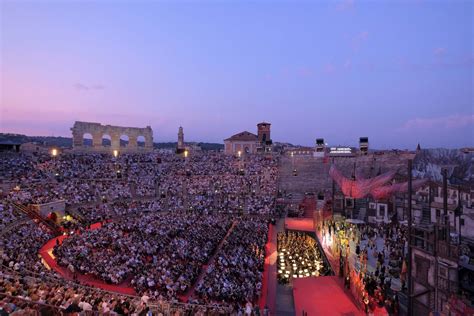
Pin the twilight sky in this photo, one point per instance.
(399, 72)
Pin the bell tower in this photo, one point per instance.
(180, 145)
(263, 132)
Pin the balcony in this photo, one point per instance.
(448, 251)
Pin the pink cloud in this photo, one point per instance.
(447, 122)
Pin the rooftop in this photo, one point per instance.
(243, 136)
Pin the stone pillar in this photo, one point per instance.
(132, 141)
(148, 141)
(77, 138)
(97, 140)
(115, 140)
(148, 134)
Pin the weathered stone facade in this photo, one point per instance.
(244, 142)
(98, 131)
(180, 139)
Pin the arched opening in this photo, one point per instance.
(106, 140)
(247, 150)
(264, 137)
(123, 141)
(141, 141)
(87, 140)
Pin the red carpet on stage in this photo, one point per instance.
(323, 296)
(89, 280)
(268, 296)
(303, 224)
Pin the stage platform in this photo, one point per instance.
(323, 296)
(302, 224)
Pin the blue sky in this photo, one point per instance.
(399, 72)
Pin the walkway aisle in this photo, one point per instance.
(190, 292)
(283, 294)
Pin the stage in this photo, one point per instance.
(301, 224)
(322, 296)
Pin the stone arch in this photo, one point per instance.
(141, 141)
(106, 140)
(96, 131)
(124, 140)
(87, 139)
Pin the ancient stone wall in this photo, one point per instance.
(98, 131)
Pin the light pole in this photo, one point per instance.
(54, 154)
(239, 154)
(117, 170)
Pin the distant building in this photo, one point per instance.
(244, 142)
(180, 147)
(301, 151)
(264, 139)
(443, 249)
(35, 147)
(341, 152)
(467, 150)
(180, 138)
(364, 145)
(320, 148)
(9, 146)
(249, 143)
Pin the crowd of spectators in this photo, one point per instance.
(8, 215)
(30, 294)
(236, 273)
(169, 224)
(19, 248)
(201, 182)
(158, 251)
